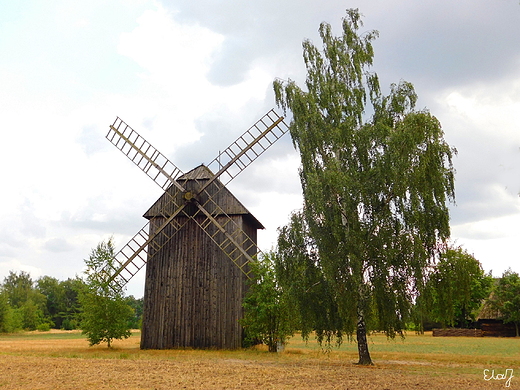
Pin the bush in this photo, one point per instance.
(44, 327)
(15, 322)
(267, 316)
(69, 324)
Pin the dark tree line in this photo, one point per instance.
(45, 303)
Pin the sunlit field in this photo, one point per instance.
(63, 360)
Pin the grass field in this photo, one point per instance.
(63, 360)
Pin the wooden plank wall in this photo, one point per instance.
(498, 329)
(457, 332)
(494, 329)
(193, 292)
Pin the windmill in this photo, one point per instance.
(197, 243)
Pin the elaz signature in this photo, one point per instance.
(507, 376)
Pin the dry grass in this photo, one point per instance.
(64, 361)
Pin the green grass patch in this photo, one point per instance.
(41, 336)
(467, 350)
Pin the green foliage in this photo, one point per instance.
(70, 306)
(18, 287)
(307, 290)
(455, 289)
(47, 303)
(267, 313)
(506, 298)
(27, 304)
(15, 320)
(32, 315)
(105, 313)
(54, 291)
(5, 313)
(375, 189)
(44, 327)
(137, 306)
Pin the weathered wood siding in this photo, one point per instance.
(498, 329)
(457, 332)
(193, 291)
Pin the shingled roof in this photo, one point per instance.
(215, 194)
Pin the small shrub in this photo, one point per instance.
(44, 327)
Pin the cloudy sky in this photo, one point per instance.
(190, 77)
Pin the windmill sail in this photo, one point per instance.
(133, 256)
(236, 245)
(248, 147)
(152, 162)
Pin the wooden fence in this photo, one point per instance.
(456, 332)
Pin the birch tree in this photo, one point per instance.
(376, 176)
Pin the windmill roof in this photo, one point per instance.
(487, 311)
(201, 172)
(216, 190)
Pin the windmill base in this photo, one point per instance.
(193, 293)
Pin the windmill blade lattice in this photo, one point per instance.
(237, 245)
(152, 162)
(228, 164)
(248, 147)
(133, 256)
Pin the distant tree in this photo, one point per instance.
(105, 313)
(54, 291)
(5, 313)
(62, 306)
(506, 298)
(267, 313)
(27, 303)
(19, 288)
(72, 307)
(137, 306)
(375, 189)
(33, 317)
(456, 289)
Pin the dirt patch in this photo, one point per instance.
(71, 364)
(31, 372)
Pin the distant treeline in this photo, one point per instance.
(46, 303)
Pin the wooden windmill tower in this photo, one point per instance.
(197, 243)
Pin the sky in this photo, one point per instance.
(191, 77)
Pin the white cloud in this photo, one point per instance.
(175, 59)
(481, 121)
(494, 242)
(192, 76)
(14, 264)
(57, 245)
